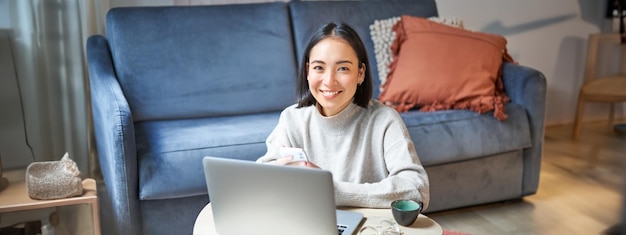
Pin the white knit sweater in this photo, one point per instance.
(369, 152)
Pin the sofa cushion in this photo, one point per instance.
(307, 16)
(166, 72)
(170, 152)
(458, 135)
(436, 67)
(382, 35)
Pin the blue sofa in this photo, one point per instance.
(170, 85)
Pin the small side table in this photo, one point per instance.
(16, 206)
(423, 225)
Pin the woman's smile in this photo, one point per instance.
(329, 94)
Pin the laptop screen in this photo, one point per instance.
(254, 198)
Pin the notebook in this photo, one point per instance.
(254, 198)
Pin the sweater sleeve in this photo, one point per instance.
(272, 152)
(278, 138)
(406, 178)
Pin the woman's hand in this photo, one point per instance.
(304, 164)
(283, 161)
(288, 161)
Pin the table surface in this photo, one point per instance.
(15, 197)
(422, 226)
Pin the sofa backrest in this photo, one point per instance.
(202, 61)
(307, 16)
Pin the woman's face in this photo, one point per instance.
(333, 74)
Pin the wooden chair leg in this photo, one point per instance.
(580, 109)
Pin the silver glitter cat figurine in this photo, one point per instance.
(54, 179)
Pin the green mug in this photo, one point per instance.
(406, 211)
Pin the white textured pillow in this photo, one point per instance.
(452, 21)
(382, 36)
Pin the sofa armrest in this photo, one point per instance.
(115, 139)
(527, 87)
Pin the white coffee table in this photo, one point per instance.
(422, 226)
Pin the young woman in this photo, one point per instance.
(364, 143)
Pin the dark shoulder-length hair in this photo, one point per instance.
(347, 33)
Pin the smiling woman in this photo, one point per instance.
(364, 143)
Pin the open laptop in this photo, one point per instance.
(253, 198)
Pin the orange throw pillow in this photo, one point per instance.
(439, 67)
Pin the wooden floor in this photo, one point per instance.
(580, 189)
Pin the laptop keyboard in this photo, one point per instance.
(341, 228)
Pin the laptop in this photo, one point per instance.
(253, 198)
